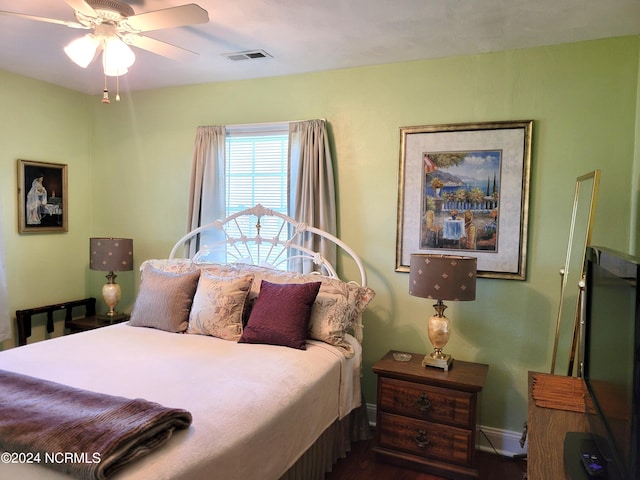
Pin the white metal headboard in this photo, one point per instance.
(247, 239)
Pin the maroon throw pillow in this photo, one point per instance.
(280, 315)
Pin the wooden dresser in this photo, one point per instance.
(547, 429)
(426, 417)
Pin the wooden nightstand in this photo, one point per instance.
(89, 323)
(426, 417)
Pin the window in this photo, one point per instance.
(257, 172)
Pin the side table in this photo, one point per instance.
(92, 322)
(426, 417)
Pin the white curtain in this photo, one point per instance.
(312, 187)
(5, 322)
(208, 183)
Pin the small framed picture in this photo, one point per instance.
(42, 197)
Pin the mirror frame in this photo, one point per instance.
(572, 244)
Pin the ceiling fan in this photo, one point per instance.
(116, 27)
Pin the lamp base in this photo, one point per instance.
(442, 360)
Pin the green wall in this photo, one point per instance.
(47, 124)
(134, 166)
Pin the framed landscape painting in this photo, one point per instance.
(464, 190)
(42, 197)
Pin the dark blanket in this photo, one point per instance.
(85, 434)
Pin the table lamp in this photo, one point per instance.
(111, 255)
(441, 277)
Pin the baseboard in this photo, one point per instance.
(504, 442)
(489, 439)
(371, 414)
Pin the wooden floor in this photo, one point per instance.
(361, 463)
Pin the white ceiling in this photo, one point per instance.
(310, 35)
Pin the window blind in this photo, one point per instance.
(257, 172)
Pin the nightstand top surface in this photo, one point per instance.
(94, 321)
(467, 376)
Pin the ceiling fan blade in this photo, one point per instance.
(156, 46)
(82, 7)
(44, 19)
(189, 14)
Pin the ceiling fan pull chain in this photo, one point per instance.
(105, 92)
(117, 89)
(115, 28)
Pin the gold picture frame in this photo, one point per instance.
(42, 197)
(464, 189)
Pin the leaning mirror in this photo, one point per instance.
(566, 335)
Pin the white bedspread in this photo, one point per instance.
(256, 408)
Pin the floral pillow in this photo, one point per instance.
(174, 265)
(218, 306)
(337, 309)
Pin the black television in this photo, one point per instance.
(610, 367)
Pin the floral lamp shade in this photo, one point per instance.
(443, 277)
(111, 254)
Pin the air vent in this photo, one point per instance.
(248, 55)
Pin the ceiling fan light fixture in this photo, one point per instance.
(115, 26)
(82, 50)
(117, 57)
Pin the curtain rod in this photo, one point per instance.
(268, 124)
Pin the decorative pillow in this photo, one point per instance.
(174, 265)
(280, 315)
(218, 306)
(164, 299)
(337, 310)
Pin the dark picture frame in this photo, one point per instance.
(42, 197)
(464, 189)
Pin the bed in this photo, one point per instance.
(262, 402)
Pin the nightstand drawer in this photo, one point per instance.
(425, 439)
(427, 402)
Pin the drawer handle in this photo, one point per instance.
(421, 438)
(423, 402)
